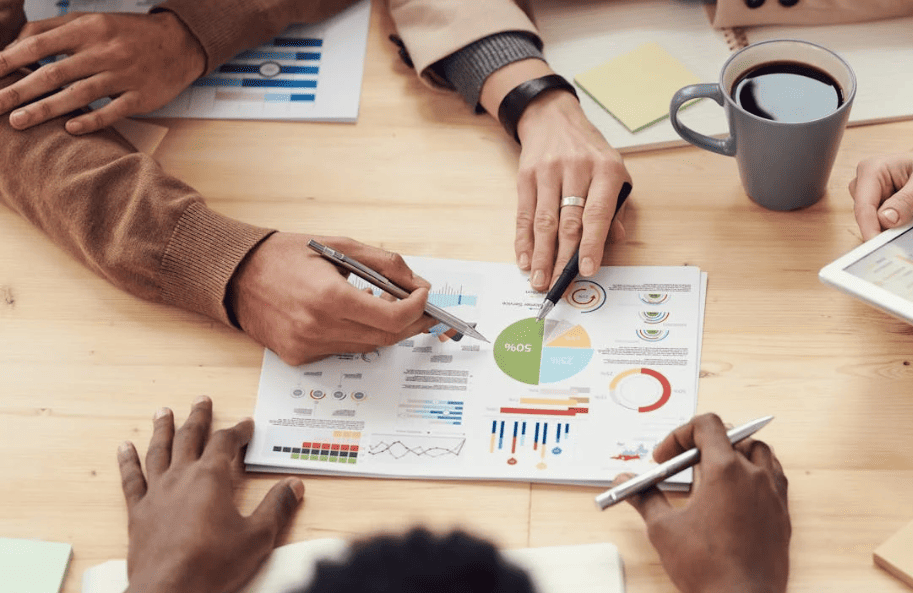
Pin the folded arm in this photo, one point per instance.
(117, 212)
(141, 61)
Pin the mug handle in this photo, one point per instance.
(695, 91)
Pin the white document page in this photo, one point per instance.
(580, 398)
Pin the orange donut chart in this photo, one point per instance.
(614, 386)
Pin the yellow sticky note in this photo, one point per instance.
(636, 87)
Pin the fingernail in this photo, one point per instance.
(587, 268)
(123, 450)
(161, 413)
(19, 118)
(523, 261)
(891, 215)
(297, 487)
(201, 400)
(538, 277)
(74, 127)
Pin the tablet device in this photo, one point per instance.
(880, 272)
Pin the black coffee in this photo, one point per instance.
(787, 92)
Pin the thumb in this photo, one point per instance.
(652, 504)
(898, 209)
(275, 511)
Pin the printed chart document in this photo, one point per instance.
(308, 72)
(578, 398)
(587, 568)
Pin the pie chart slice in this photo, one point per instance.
(528, 353)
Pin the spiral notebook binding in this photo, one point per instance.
(735, 37)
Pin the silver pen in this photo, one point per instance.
(679, 463)
(383, 283)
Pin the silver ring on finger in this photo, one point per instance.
(572, 201)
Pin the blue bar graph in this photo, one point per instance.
(259, 54)
(256, 83)
(255, 69)
(279, 97)
(296, 42)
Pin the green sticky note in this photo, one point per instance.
(636, 87)
(32, 566)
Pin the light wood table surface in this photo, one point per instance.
(84, 366)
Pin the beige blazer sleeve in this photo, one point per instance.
(434, 29)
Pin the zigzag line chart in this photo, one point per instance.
(397, 447)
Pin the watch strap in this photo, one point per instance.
(516, 101)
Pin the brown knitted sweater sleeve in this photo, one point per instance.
(117, 212)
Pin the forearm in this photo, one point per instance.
(118, 213)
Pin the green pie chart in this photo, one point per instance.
(535, 352)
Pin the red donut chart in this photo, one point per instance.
(617, 392)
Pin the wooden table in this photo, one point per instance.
(84, 366)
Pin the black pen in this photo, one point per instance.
(573, 267)
(385, 284)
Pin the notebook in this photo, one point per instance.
(588, 568)
(582, 35)
(33, 566)
(896, 555)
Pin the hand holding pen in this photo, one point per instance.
(733, 532)
(570, 271)
(301, 307)
(378, 280)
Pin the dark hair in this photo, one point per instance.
(420, 562)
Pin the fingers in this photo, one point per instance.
(524, 241)
(882, 193)
(605, 191)
(570, 218)
(390, 264)
(50, 78)
(123, 106)
(898, 209)
(391, 318)
(760, 454)
(225, 444)
(132, 480)
(276, 509)
(652, 504)
(158, 456)
(545, 226)
(706, 432)
(34, 44)
(191, 437)
(867, 193)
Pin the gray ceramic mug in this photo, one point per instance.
(783, 165)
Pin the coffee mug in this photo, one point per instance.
(787, 103)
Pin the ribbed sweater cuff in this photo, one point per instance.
(201, 257)
(469, 68)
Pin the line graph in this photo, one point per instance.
(397, 447)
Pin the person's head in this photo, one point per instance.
(420, 562)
